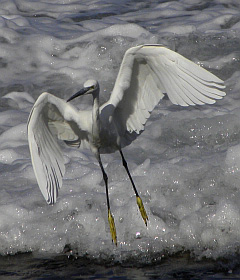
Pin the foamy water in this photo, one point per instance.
(186, 164)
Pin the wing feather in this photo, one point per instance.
(147, 73)
(51, 117)
(190, 98)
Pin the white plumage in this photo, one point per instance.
(147, 73)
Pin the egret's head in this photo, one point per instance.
(89, 87)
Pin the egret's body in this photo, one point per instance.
(147, 73)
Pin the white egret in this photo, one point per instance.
(147, 73)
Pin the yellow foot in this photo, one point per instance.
(142, 209)
(112, 227)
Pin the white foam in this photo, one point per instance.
(186, 165)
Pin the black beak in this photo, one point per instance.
(79, 93)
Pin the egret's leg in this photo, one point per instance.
(110, 217)
(139, 200)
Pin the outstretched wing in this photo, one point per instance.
(148, 72)
(51, 118)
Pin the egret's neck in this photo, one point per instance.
(95, 114)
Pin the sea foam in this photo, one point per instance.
(185, 164)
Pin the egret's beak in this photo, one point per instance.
(79, 93)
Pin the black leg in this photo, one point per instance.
(139, 200)
(105, 178)
(129, 175)
(110, 217)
